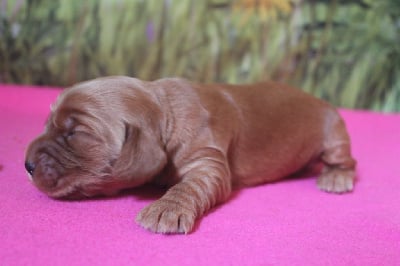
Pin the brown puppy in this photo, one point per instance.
(202, 141)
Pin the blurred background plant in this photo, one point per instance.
(345, 51)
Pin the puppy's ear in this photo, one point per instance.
(142, 155)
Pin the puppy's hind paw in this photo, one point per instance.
(166, 217)
(336, 180)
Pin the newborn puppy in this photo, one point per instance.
(202, 141)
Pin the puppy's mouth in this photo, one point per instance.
(68, 186)
(60, 188)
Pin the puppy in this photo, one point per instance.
(201, 141)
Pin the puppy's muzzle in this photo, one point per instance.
(43, 169)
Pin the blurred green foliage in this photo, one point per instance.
(346, 52)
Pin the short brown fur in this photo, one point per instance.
(200, 140)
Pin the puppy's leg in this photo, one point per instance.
(338, 174)
(205, 182)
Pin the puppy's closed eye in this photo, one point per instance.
(80, 139)
(68, 135)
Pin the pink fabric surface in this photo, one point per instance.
(285, 223)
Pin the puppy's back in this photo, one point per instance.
(277, 129)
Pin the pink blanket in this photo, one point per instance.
(285, 223)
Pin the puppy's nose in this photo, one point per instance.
(30, 167)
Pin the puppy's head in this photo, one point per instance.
(98, 139)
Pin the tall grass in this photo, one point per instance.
(344, 51)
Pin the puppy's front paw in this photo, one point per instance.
(336, 180)
(166, 217)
